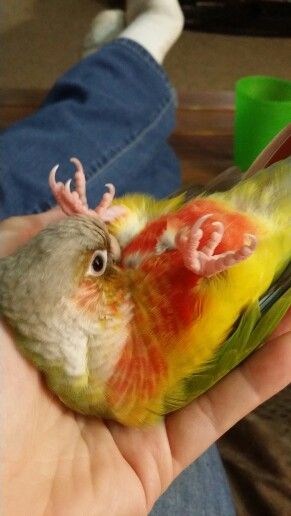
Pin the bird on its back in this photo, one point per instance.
(135, 308)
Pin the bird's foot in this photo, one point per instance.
(75, 203)
(204, 261)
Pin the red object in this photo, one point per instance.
(279, 148)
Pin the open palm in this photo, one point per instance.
(56, 462)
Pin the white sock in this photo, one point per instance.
(154, 24)
(105, 27)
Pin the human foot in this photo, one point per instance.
(154, 24)
(105, 27)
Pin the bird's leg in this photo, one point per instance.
(204, 261)
(70, 202)
(74, 203)
(104, 209)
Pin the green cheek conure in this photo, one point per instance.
(135, 308)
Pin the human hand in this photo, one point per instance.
(16, 231)
(57, 462)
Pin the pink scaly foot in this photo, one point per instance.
(74, 203)
(204, 262)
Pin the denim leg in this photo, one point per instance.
(201, 490)
(114, 111)
(159, 177)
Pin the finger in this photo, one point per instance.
(193, 429)
(284, 326)
(41, 220)
(16, 231)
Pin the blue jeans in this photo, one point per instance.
(114, 111)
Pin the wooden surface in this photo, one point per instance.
(202, 138)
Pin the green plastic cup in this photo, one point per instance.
(263, 108)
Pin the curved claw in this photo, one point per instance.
(106, 200)
(201, 221)
(68, 185)
(80, 181)
(76, 202)
(70, 202)
(111, 189)
(52, 177)
(78, 164)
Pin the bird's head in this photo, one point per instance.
(66, 270)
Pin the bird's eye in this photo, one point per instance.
(98, 263)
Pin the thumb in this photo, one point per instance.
(16, 231)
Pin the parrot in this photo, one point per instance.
(133, 309)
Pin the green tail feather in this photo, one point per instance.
(276, 290)
(255, 326)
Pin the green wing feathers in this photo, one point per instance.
(267, 194)
(255, 326)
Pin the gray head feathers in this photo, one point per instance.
(37, 276)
